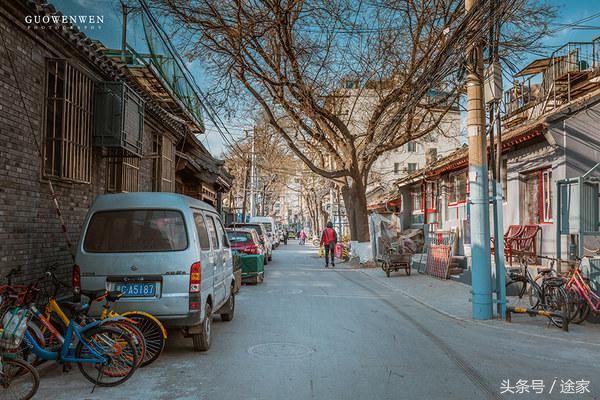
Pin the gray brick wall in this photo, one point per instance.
(30, 232)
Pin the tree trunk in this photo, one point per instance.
(355, 201)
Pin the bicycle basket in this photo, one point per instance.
(14, 325)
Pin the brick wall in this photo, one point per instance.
(30, 232)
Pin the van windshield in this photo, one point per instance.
(135, 231)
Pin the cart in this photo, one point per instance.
(253, 268)
(392, 259)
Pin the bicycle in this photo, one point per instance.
(53, 308)
(523, 291)
(109, 351)
(19, 380)
(155, 334)
(586, 300)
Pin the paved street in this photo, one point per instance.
(312, 333)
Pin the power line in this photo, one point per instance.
(206, 105)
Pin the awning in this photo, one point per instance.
(536, 66)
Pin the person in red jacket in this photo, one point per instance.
(329, 240)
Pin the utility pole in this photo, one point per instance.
(252, 175)
(339, 213)
(478, 182)
(246, 183)
(494, 87)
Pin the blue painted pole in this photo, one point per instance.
(499, 251)
(478, 184)
(480, 243)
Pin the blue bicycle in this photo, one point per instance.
(105, 355)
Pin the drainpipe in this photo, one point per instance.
(478, 184)
(125, 11)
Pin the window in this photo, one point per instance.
(222, 234)
(239, 237)
(202, 232)
(122, 174)
(411, 147)
(537, 197)
(212, 230)
(412, 167)
(163, 171)
(68, 123)
(135, 231)
(417, 200)
(431, 196)
(396, 168)
(458, 188)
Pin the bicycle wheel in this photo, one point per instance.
(136, 335)
(117, 346)
(518, 293)
(19, 380)
(577, 306)
(154, 335)
(555, 301)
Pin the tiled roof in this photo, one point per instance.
(459, 158)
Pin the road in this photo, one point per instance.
(313, 333)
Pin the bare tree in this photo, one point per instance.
(296, 57)
(273, 162)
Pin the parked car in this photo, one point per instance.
(269, 222)
(262, 234)
(246, 243)
(291, 235)
(166, 252)
(245, 240)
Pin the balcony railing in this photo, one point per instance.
(557, 80)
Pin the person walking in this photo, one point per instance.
(329, 240)
(302, 237)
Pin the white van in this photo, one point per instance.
(167, 253)
(269, 222)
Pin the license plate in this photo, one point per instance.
(136, 289)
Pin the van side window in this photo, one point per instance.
(212, 230)
(202, 233)
(223, 235)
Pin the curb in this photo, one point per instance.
(480, 323)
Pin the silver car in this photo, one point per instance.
(166, 252)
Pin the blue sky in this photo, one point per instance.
(110, 35)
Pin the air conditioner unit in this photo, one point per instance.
(118, 118)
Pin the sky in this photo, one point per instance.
(110, 34)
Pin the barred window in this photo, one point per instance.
(163, 172)
(68, 126)
(122, 174)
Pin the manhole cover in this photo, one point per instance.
(281, 350)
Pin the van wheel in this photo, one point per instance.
(230, 307)
(201, 341)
